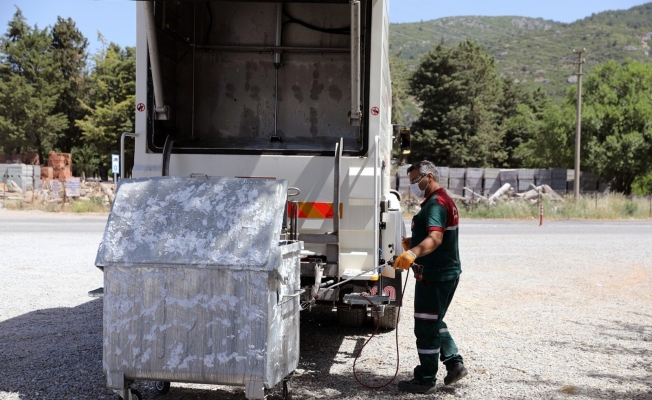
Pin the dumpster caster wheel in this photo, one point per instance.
(162, 387)
(287, 390)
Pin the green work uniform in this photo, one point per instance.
(434, 293)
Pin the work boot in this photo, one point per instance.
(414, 386)
(455, 373)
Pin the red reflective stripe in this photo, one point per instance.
(325, 209)
(316, 210)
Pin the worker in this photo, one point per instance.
(434, 246)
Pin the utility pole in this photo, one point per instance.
(578, 123)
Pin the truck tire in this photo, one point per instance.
(389, 318)
(162, 387)
(354, 316)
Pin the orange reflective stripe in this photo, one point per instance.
(316, 210)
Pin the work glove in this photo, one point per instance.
(405, 260)
(406, 243)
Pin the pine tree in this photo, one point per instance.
(458, 88)
(110, 104)
(69, 50)
(30, 87)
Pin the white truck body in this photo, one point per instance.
(218, 62)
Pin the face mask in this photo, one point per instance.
(414, 188)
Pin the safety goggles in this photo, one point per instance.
(417, 180)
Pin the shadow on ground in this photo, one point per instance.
(57, 354)
(54, 353)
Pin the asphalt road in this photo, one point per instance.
(541, 312)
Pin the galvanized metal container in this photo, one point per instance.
(198, 286)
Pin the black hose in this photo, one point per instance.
(210, 23)
(336, 31)
(398, 353)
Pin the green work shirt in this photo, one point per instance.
(438, 213)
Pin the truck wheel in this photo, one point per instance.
(388, 320)
(354, 316)
(162, 387)
(135, 395)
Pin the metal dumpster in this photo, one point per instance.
(198, 285)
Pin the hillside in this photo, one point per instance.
(535, 51)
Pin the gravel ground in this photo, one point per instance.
(554, 312)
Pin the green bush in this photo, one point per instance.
(642, 185)
(630, 208)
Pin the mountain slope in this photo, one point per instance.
(532, 50)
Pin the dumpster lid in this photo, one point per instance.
(201, 222)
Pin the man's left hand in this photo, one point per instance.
(405, 260)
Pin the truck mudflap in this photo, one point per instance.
(390, 287)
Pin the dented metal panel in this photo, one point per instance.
(203, 325)
(197, 286)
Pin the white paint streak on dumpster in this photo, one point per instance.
(198, 286)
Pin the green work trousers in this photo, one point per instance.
(434, 341)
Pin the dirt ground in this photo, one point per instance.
(553, 312)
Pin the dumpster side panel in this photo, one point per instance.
(185, 324)
(284, 309)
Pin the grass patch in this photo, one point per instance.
(609, 206)
(15, 205)
(75, 206)
(508, 210)
(86, 207)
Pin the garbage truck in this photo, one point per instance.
(248, 93)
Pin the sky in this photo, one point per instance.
(116, 19)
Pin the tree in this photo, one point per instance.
(616, 127)
(617, 123)
(642, 185)
(110, 107)
(519, 115)
(69, 50)
(86, 162)
(29, 89)
(552, 140)
(458, 88)
(399, 74)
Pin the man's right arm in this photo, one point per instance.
(429, 244)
